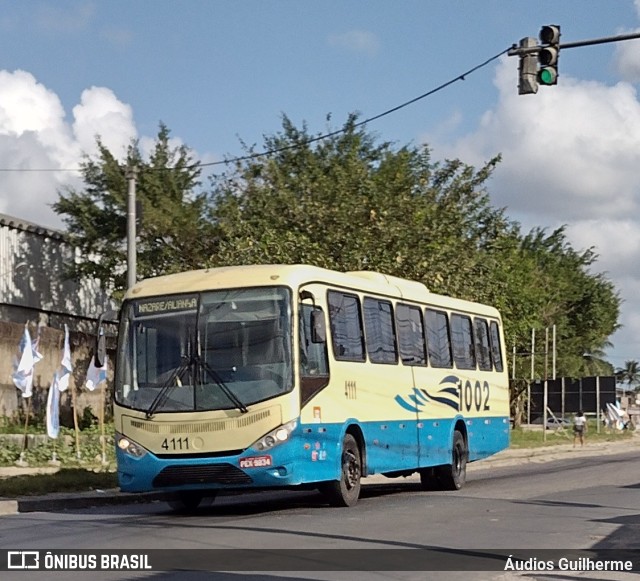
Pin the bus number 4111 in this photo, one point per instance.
(175, 444)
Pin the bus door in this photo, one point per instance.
(413, 357)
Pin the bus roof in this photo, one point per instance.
(295, 275)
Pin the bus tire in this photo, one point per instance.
(346, 491)
(453, 476)
(188, 501)
(429, 479)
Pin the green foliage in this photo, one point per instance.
(40, 449)
(173, 234)
(629, 374)
(349, 202)
(562, 291)
(524, 438)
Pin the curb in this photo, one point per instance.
(54, 502)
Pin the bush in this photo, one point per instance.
(64, 447)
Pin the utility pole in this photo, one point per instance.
(533, 373)
(546, 54)
(131, 175)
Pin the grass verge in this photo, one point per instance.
(65, 480)
(521, 438)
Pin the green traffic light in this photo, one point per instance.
(548, 76)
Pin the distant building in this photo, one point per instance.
(34, 291)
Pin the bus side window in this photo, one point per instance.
(462, 340)
(496, 348)
(380, 332)
(481, 337)
(313, 355)
(438, 338)
(410, 335)
(346, 326)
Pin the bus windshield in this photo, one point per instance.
(213, 350)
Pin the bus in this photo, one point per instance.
(272, 376)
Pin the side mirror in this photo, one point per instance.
(101, 348)
(318, 327)
(101, 340)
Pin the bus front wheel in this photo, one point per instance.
(453, 476)
(346, 491)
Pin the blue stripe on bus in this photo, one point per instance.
(313, 453)
(405, 405)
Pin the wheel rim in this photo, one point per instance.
(350, 469)
(458, 461)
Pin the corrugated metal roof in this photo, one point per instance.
(26, 226)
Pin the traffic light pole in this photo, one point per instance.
(547, 53)
(522, 50)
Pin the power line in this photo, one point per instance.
(36, 169)
(265, 153)
(460, 77)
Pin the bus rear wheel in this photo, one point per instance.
(453, 476)
(346, 491)
(429, 479)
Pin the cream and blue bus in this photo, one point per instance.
(276, 376)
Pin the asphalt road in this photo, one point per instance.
(574, 500)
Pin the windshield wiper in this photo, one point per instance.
(223, 386)
(171, 383)
(168, 386)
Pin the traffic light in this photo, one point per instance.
(548, 54)
(528, 69)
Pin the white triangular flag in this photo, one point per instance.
(53, 408)
(96, 375)
(23, 374)
(67, 367)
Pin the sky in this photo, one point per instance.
(220, 73)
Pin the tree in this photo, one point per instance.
(348, 202)
(629, 374)
(174, 233)
(560, 289)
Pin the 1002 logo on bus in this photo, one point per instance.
(475, 396)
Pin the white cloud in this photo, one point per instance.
(34, 135)
(627, 58)
(360, 41)
(101, 113)
(569, 152)
(64, 19)
(570, 155)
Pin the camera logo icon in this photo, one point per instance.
(23, 559)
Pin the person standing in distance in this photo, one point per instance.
(579, 428)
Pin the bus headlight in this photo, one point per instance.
(129, 446)
(277, 436)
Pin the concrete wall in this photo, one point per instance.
(34, 290)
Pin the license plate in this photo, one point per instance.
(255, 462)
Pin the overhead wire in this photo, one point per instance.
(460, 77)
